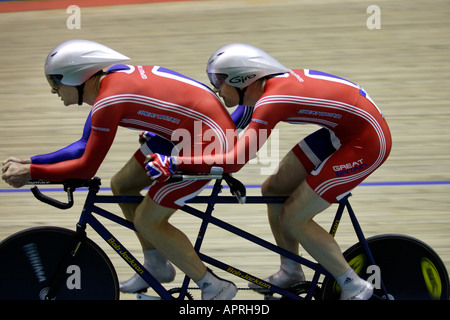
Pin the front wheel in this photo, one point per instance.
(409, 269)
(31, 259)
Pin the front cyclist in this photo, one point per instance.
(146, 98)
(321, 169)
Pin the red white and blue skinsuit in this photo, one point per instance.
(145, 98)
(353, 142)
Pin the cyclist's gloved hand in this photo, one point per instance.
(160, 167)
(145, 136)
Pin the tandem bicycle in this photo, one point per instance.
(40, 262)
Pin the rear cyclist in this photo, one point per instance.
(147, 98)
(320, 170)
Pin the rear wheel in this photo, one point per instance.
(409, 269)
(30, 260)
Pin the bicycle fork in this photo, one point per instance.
(58, 278)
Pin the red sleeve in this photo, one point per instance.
(245, 149)
(104, 128)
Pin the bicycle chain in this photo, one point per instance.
(298, 288)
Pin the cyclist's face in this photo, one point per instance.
(228, 94)
(68, 94)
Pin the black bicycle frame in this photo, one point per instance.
(90, 207)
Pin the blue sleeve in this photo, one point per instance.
(72, 151)
(242, 116)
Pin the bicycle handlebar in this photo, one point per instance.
(53, 202)
(69, 186)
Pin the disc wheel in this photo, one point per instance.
(30, 260)
(409, 269)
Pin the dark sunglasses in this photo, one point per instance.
(217, 79)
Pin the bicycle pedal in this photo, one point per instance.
(299, 285)
(271, 297)
(141, 296)
(262, 291)
(268, 295)
(304, 288)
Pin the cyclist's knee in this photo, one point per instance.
(120, 186)
(117, 186)
(271, 188)
(281, 184)
(266, 189)
(151, 217)
(130, 180)
(300, 208)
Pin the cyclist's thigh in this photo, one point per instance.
(149, 213)
(345, 169)
(166, 194)
(300, 161)
(175, 194)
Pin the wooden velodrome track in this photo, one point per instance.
(404, 66)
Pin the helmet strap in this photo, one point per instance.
(241, 93)
(80, 89)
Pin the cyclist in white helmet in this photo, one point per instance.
(240, 65)
(354, 140)
(74, 62)
(147, 98)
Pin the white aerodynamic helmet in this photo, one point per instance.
(240, 64)
(73, 62)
